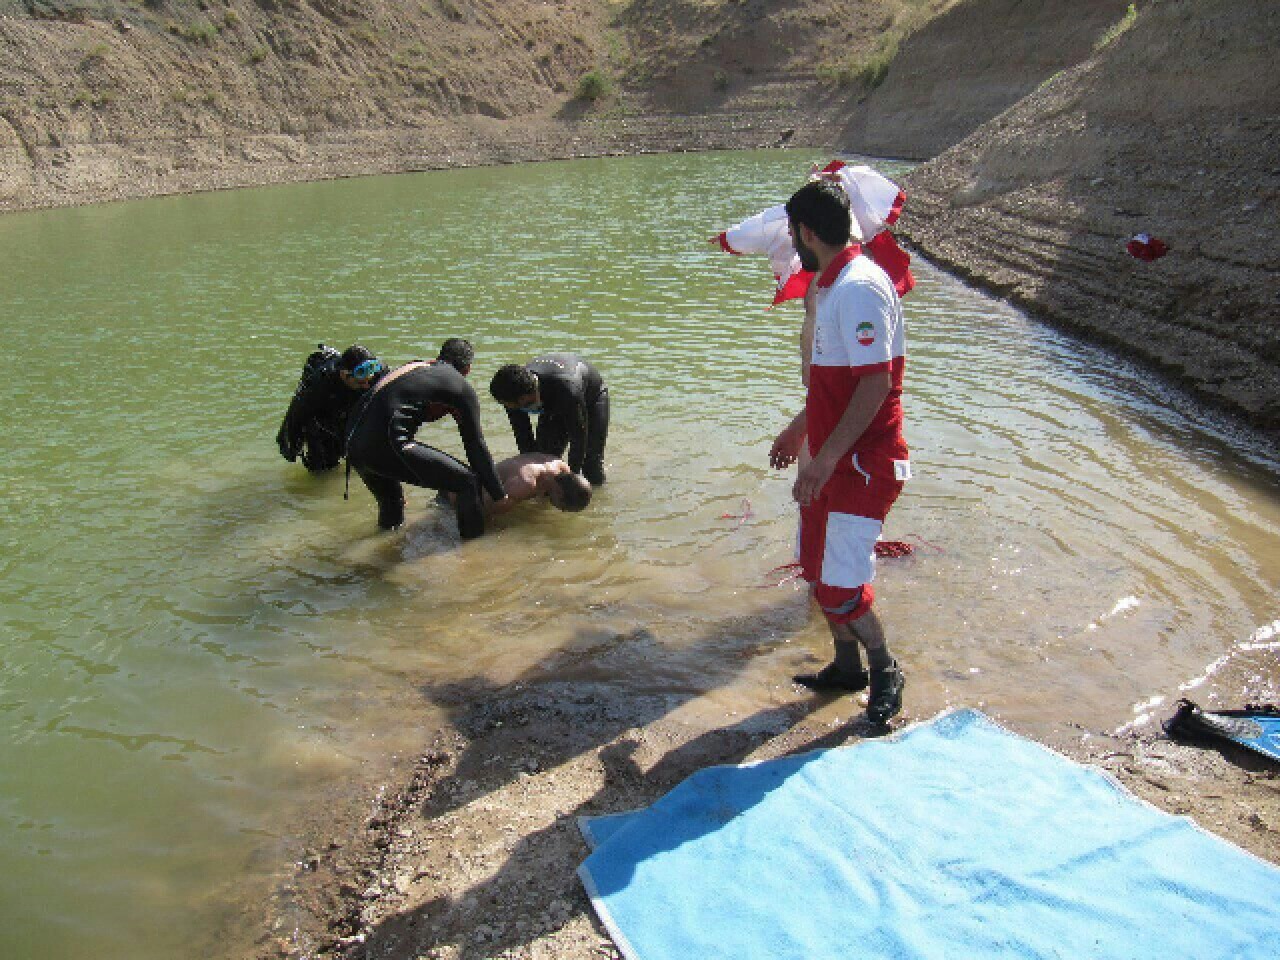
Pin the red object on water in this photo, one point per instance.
(796, 571)
(901, 548)
(893, 548)
(743, 517)
(1146, 248)
(883, 548)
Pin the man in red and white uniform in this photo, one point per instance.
(853, 420)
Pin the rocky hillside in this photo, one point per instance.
(104, 99)
(110, 98)
(1171, 128)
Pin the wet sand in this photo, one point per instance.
(473, 854)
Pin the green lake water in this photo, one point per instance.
(202, 646)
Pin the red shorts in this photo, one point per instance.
(838, 534)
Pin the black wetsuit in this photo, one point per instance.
(315, 425)
(382, 450)
(575, 413)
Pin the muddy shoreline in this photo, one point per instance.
(99, 172)
(1039, 203)
(474, 855)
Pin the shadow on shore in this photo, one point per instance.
(593, 697)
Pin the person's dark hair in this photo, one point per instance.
(824, 208)
(575, 492)
(458, 353)
(512, 382)
(353, 356)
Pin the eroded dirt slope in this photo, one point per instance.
(1171, 129)
(103, 99)
(106, 100)
(969, 64)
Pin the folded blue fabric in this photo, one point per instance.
(956, 839)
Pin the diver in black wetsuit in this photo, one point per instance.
(572, 404)
(380, 440)
(315, 425)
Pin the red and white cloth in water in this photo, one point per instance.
(875, 203)
(858, 330)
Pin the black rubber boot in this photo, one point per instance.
(831, 679)
(885, 699)
(390, 513)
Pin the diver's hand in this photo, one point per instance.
(786, 448)
(813, 476)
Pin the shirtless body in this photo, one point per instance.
(533, 475)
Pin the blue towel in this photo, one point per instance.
(954, 840)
